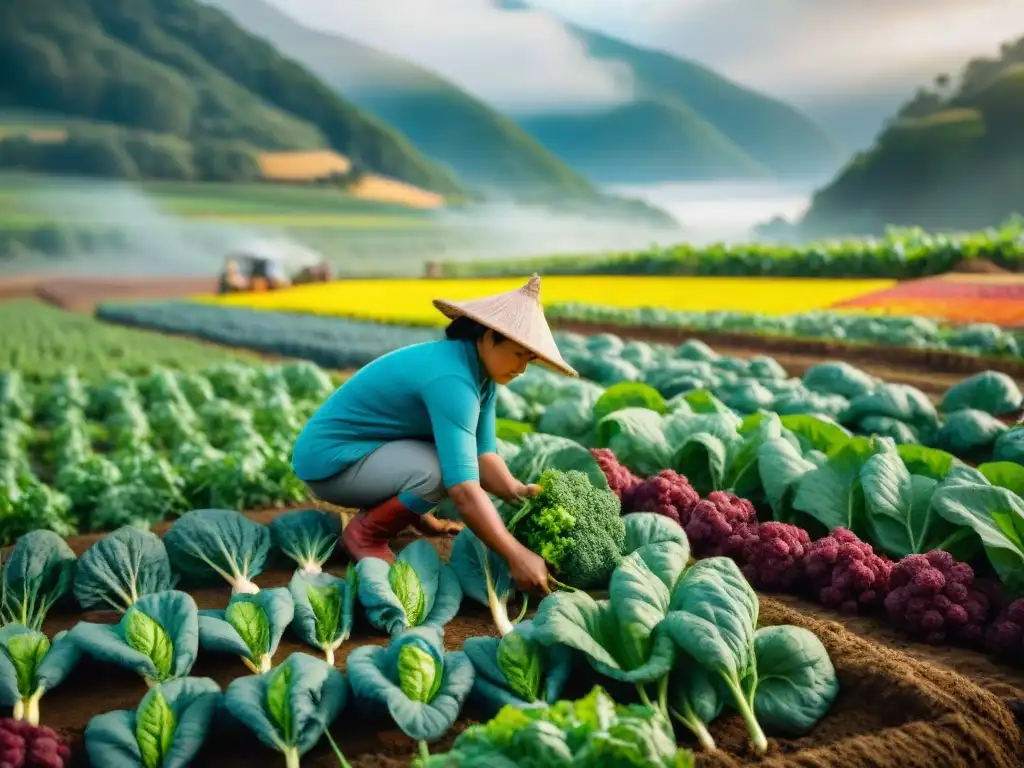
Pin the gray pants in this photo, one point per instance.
(408, 469)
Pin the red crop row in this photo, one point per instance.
(929, 597)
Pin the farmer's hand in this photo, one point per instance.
(529, 572)
(523, 492)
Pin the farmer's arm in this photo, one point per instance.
(455, 417)
(494, 475)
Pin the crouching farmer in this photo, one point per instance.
(419, 423)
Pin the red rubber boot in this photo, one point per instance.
(368, 534)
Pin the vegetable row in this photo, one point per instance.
(78, 457)
(327, 341)
(986, 339)
(643, 634)
(901, 253)
(970, 421)
(932, 522)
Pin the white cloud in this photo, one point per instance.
(521, 62)
(813, 49)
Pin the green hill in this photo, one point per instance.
(446, 123)
(952, 158)
(189, 76)
(702, 125)
(772, 133)
(676, 143)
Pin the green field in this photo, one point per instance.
(40, 340)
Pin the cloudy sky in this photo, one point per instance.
(820, 54)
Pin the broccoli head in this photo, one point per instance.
(574, 526)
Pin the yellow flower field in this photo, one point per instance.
(409, 300)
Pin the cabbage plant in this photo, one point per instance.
(30, 665)
(421, 686)
(121, 568)
(324, 609)
(307, 536)
(206, 543)
(250, 627)
(289, 708)
(157, 637)
(516, 669)
(416, 590)
(166, 730)
(38, 574)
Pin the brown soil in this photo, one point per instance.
(980, 267)
(895, 709)
(83, 294)
(930, 371)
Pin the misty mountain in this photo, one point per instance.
(951, 158)
(686, 123)
(715, 123)
(448, 124)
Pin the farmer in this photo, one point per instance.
(418, 424)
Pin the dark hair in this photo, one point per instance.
(467, 329)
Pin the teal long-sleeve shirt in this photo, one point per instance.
(437, 392)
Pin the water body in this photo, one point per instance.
(723, 211)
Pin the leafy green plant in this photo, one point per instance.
(517, 670)
(324, 609)
(416, 590)
(422, 687)
(157, 638)
(290, 707)
(621, 637)
(207, 543)
(644, 528)
(307, 536)
(593, 732)
(712, 617)
(30, 665)
(36, 576)
(484, 577)
(166, 730)
(121, 568)
(251, 627)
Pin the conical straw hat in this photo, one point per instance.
(516, 315)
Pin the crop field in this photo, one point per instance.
(408, 301)
(824, 511)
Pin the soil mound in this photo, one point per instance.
(979, 267)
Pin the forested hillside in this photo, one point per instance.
(953, 157)
(174, 89)
(480, 144)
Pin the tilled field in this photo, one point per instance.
(900, 704)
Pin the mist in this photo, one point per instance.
(156, 242)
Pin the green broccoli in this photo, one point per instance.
(574, 526)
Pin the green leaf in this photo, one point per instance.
(251, 623)
(997, 516)
(1005, 474)
(781, 468)
(797, 683)
(832, 494)
(628, 394)
(407, 588)
(927, 462)
(278, 705)
(520, 662)
(899, 506)
(26, 651)
(154, 730)
(325, 603)
(418, 673)
(146, 636)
